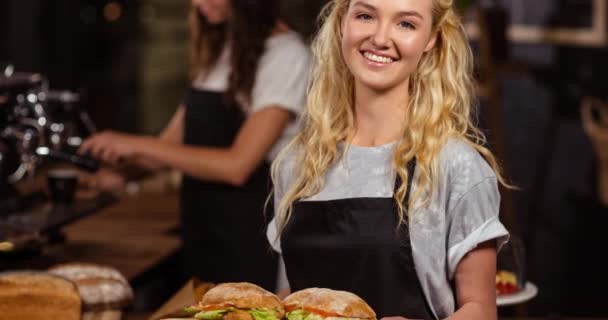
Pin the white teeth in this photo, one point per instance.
(375, 58)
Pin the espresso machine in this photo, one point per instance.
(37, 125)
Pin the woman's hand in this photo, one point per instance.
(111, 147)
(284, 293)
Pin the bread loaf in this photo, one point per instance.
(38, 296)
(100, 287)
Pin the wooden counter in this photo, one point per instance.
(132, 235)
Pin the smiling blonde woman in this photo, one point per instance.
(389, 115)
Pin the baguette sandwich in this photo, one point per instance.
(238, 301)
(326, 304)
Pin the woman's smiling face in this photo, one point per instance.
(384, 40)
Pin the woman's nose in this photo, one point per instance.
(381, 36)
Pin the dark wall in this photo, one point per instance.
(22, 34)
(302, 14)
(76, 48)
(552, 161)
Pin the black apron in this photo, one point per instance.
(223, 226)
(354, 245)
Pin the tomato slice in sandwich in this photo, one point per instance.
(291, 307)
(321, 312)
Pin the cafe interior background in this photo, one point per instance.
(121, 65)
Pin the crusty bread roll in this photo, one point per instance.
(38, 296)
(79, 270)
(100, 287)
(334, 302)
(241, 295)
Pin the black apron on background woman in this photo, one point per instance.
(223, 226)
(354, 245)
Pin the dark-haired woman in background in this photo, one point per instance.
(249, 83)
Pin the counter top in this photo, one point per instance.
(132, 235)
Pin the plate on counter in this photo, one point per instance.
(527, 293)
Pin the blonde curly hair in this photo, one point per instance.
(439, 108)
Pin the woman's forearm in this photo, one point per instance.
(146, 165)
(474, 311)
(233, 164)
(139, 168)
(475, 280)
(215, 164)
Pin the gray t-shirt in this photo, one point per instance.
(281, 80)
(462, 213)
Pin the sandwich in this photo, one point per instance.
(326, 304)
(238, 301)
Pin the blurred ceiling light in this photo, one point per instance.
(112, 11)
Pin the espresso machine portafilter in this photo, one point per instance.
(37, 125)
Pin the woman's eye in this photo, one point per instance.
(407, 25)
(364, 16)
